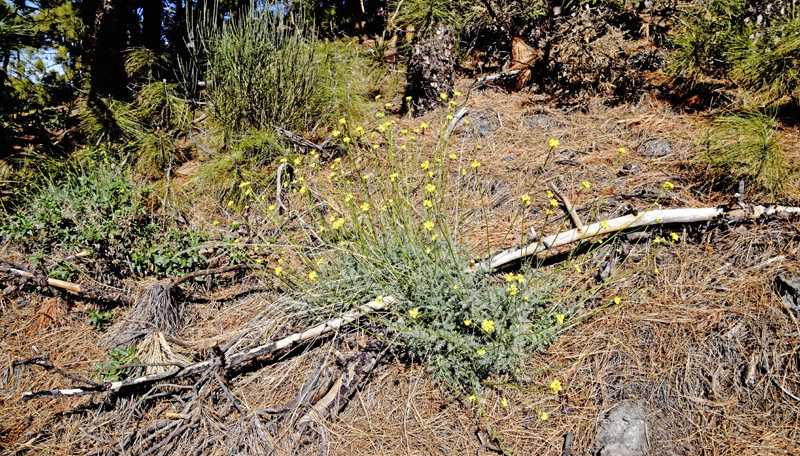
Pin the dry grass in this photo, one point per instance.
(702, 343)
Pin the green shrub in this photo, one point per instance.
(746, 147)
(262, 72)
(388, 219)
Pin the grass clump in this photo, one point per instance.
(748, 148)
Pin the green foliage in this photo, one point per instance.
(82, 209)
(99, 320)
(170, 254)
(262, 72)
(387, 219)
(112, 370)
(746, 147)
(770, 64)
(709, 30)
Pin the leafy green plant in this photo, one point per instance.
(173, 253)
(746, 147)
(99, 320)
(388, 218)
(112, 370)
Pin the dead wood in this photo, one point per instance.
(230, 362)
(569, 207)
(649, 218)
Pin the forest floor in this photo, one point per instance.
(701, 356)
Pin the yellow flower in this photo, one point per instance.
(413, 313)
(513, 290)
(456, 93)
(425, 165)
(555, 386)
(452, 102)
(427, 203)
(481, 352)
(428, 250)
(520, 278)
(549, 194)
(430, 188)
(668, 185)
(379, 115)
(560, 318)
(526, 199)
(230, 203)
(475, 164)
(466, 122)
(393, 176)
(543, 416)
(674, 237)
(303, 190)
(423, 125)
(577, 268)
(342, 121)
(487, 325)
(478, 147)
(387, 105)
(504, 403)
(429, 225)
(377, 97)
(284, 160)
(467, 322)
(244, 184)
(215, 222)
(278, 271)
(604, 224)
(312, 276)
(338, 224)
(359, 130)
(348, 197)
(617, 300)
(449, 117)
(379, 299)
(452, 156)
(586, 184)
(509, 277)
(472, 398)
(434, 237)
(443, 96)
(455, 287)
(554, 143)
(365, 207)
(408, 98)
(271, 208)
(336, 133)
(346, 140)
(549, 212)
(659, 220)
(622, 150)
(553, 202)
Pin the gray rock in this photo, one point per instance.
(655, 148)
(482, 124)
(623, 432)
(789, 288)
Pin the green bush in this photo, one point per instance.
(262, 72)
(746, 147)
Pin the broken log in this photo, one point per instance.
(649, 218)
(231, 361)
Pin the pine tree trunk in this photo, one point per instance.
(431, 69)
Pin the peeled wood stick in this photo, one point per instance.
(74, 287)
(232, 361)
(657, 217)
(570, 208)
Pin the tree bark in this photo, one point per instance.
(104, 51)
(431, 69)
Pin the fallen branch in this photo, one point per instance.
(87, 291)
(569, 207)
(498, 76)
(299, 140)
(657, 217)
(231, 361)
